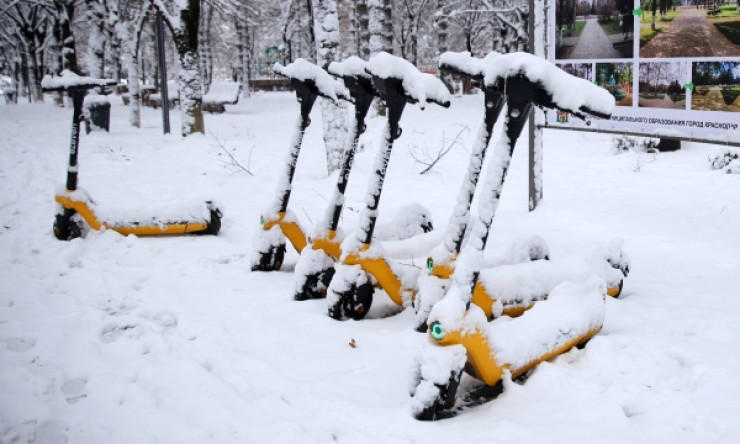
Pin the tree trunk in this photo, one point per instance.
(65, 11)
(242, 51)
(376, 18)
(387, 26)
(205, 52)
(96, 42)
(186, 40)
(333, 115)
(363, 31)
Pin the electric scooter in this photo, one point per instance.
(353, 300)
(277, 222)
(350, 292)
(471, 343)
(315, 267)
(76, 206)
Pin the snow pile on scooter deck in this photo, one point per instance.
(159, 215)
(418, 86)
(525, 283)
(567, 92)
(572, 311)
(304, 70)
(68, 80)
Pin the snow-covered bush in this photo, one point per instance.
(727, 160)
(624, 143)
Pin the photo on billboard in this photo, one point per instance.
(594, 29)
(580, 70)
(716, 86)
(692, 29)
(617, 79)
(662, 84)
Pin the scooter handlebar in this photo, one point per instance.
(70, 81)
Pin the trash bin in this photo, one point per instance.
(98, 112)
(10, 96)
(669, 145)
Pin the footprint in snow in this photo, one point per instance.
(74, 390)
(166, 321)
(112, 332)
(19, 345)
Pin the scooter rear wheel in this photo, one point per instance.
(213, 226)
(353, 303)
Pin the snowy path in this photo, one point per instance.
(113, 339)
(593, 43)
(690, 34)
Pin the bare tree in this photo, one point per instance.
(30, 28)
(413, 11)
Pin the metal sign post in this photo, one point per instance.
(537, 45)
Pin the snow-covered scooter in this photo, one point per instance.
(76, 206)
(571, 315)
(315, 267)
(441, 261)
(492, 291)
(279, 223)
(350, 292)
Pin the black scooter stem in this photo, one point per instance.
(361, 90)
(78, 97)
(391, 92)
(307, 97)
(520, 95)
(494, 103)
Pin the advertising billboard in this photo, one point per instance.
(673, 66)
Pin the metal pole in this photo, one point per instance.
(537, 15)
(163, 74)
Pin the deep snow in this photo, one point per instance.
(122, 339)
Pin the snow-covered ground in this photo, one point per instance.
(122, 339)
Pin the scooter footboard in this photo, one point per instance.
(573, 313)
(193, 212)
(512, 289)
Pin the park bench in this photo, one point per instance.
(220, 94)
(155, 98)
(278, 84)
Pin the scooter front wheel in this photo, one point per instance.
(315, 286)
(441, 406)
(65, 228)
(353, 303)
(270, 260)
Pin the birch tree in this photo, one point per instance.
(333, 115)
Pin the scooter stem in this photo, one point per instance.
(78, 97)
(391, 91)
(494, 103)
(361, 91)
(307, 97)
(520, 95)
